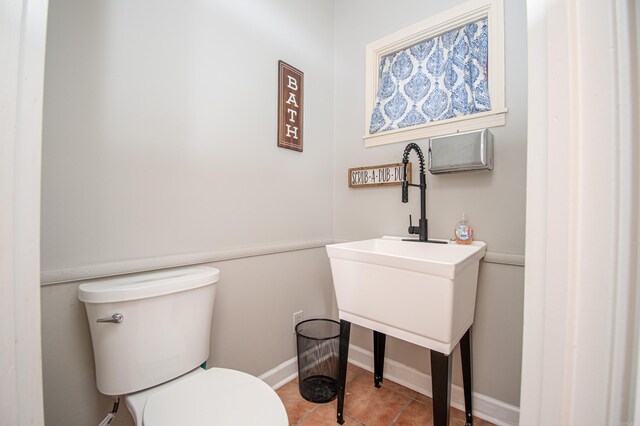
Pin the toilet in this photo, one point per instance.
(151, 334)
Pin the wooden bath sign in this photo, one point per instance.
(290, 107)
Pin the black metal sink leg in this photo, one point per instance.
(465, 356)
(441, 386)
(343, 355)
(378, 357)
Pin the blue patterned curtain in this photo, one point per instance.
(436, 79)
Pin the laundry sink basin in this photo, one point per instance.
(423, 293)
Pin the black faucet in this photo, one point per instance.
(422, 228)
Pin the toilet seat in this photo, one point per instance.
(216, 396)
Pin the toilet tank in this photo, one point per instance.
(164, 331)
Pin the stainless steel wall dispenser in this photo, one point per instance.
(461, 152)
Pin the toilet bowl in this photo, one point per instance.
(150, 334)
(217, 396)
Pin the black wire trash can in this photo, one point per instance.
(318, 347)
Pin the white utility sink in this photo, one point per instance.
(423, 293)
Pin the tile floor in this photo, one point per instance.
(366, 405)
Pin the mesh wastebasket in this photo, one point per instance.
(318, 347)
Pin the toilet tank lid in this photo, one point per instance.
(145, 285)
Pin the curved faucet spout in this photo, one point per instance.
(407, 151)
(421, 229)
(405, 161)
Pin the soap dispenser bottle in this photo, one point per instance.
(463, 231)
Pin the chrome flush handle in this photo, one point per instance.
(115, 318)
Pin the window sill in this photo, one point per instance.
(438, 128)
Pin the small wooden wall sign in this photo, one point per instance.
(386, 174)
(290, 106)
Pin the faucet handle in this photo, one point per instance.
(413, 229)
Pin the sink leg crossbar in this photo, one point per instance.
(440, 374)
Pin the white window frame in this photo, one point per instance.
(434, 26)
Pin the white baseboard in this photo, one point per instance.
(285, 372)
(484, 407)
(282, 374)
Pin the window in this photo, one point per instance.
(409, 65)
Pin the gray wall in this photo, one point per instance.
(160, 140)
(494, 201)
(160, 128)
